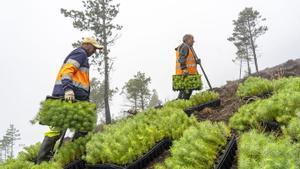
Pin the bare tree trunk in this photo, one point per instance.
(106, 76)
(254, 53)
(12, 148)
(5, 153)
(142, 102)
(249, 69)
(248, 61)
(253, 47)
(106, 89)
(135, 103)
(241, 65)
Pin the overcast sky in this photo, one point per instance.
(35, 38)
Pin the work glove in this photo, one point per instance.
(69, 95)
(198, 61)
(185, 72)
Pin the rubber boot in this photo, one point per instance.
(187, 94)
(46, 150)
(181, 94)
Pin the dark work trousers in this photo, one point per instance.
(185, 94)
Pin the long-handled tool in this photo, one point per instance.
(62, 139)
(196, 58)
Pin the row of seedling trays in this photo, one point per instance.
(269, 126)
(225, 159)
(142, 162)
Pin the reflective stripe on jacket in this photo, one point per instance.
(74, 75)
(185, 60)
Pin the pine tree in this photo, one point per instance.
(137, 90)
(97, 18)
(1, 151)
(246, 31)
(11, 136)
(154, 101)
(6, 147)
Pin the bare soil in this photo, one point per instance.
(230, 102)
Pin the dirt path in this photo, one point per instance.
(230, 103)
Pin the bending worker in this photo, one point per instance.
(72, 83)
(186, 62)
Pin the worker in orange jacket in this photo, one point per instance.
(72, 82)
(186, 62)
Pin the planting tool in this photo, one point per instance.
(196, 58)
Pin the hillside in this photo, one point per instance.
(245, 105)
(230, 103)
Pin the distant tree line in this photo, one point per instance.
(8, 142)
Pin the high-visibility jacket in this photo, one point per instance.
(185, 59)
(74, 75)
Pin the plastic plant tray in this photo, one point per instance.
(140, 163)
(78, 164)
(214, 103)
(250, 99)
(227, 158)
(271, 126)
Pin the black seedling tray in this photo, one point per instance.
(250, 99)
(199, 88)
(104, 166)
(271, 126)
(227, 158)
(141, 162)
(200, 107)
(78, 164)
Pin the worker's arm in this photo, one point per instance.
(70, 67)
(183, 53)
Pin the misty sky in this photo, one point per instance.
(35, 39)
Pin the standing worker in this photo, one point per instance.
(72, 83)
(186, 62)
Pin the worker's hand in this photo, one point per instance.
(198, 61)
(185, 72)
(69, 95)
